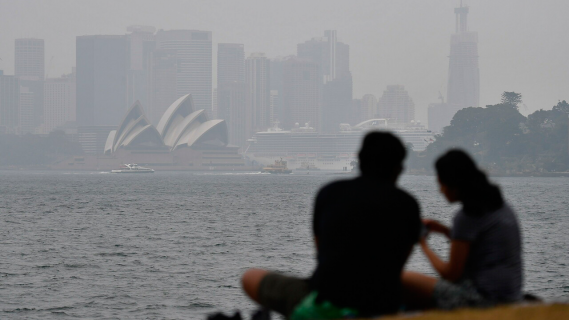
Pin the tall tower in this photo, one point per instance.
(9, 103)
(30, 69)
(29, 59)
(232, 91)
(302, 87)
(102, 66)
(332, 58)
(194, 57)
(230, 70)
(59, 101)
(258, 91)
(463, 74)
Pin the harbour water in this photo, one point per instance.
(173, 245)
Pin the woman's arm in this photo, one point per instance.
(436, 226)
(454, 268)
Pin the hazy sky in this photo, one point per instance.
(523, 44)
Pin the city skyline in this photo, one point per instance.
(405, 43)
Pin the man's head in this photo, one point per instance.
(381, 156)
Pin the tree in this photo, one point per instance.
(512, 98)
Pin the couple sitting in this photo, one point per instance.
(365, 229)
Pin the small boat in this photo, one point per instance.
(278, 168)
(132, 168)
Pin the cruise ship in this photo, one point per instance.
(303, 146)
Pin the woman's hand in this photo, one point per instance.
(436, 226)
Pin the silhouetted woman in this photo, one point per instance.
(484, 266)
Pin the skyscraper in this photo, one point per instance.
(277, 90)
(26, 111)
(141, 44)
(302, 87)
(463, 74)
(102, 65)
(163, 87)
(194, 57)
(29, 59)
(396, 105)
(9, 103)
(30, 69)
(333, 59)
(369, 107)
(230, 70)
(257, 77)
(59, 101)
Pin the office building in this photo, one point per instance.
(26, 111)
(194, 63)
(102, 67)
(332, 58)
(257, 77)
(276, 82)
(369, 107)
(29, 59)
(9, 103)
(302, 87)
(141, 44)
(230, 70)
(396, 105)
(163, 77)
(59, 101)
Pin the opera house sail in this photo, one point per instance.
(184, 139)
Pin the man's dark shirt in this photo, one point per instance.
(365, 230)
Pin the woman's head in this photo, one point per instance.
(461, 180)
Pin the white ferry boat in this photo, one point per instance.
(132, 168)
(304, 147)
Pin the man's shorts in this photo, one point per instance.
(448, 295)
(282, 293)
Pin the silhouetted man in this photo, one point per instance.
(364, 230)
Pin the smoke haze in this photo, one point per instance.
(523, 45)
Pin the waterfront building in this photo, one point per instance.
(257, 77)
(59, 101)
(463, 75)
(193, 49)
(102, 65)
(396, 105)
(184, 139)
(302, 87)
(9, 103)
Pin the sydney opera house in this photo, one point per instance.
(184, 139)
